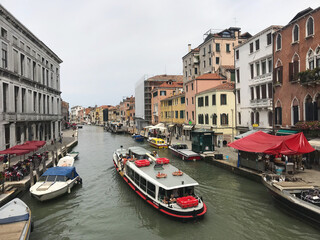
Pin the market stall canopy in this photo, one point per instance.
(260, 142)
(11, 151)
(26, 146)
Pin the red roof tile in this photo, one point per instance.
(210, 76)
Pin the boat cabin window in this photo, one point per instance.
(61, 179)
(51, 178)
(143, 184)
(136, 178)
(130, 172)
(151, 189)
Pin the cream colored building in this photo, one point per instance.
(215, 110)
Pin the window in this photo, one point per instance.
(257, 45)
(206, 100)
(213, 99)
(238, 75)
(252, 93)
(151, 189)
(22, 64)
(257, 69)
(258, 92)
(309, 111)
(268, 38)
(177, 114)
(270, 117)
(204, 51)
(310, 60)
(252, 118)
(264, 67)
(239, 118)
(295, 113)
(217, 60)
(251, 47)
(15, 61)
(192, 115)
(214, 119)
(200, 102)
(269, 90)
(186, 88)
(209, 61)
(4, 33)
(163, 93)
(4, 59)
(224, 119)
(181, 114)
(310, 26)
(223, 99)
(192, 100)
(278, 43)
(227, 47)
(15, 40)
(207, 119)
(295, 34)
(252, 71)
(264, 91)
(238, 95)
(195, 70)
(217, 47)
(209, 50)
(204, 64)
(237, 54)
(182, 100)
(191, 86)
(278, 116)
(257, 118)
(270, 65)
(200, 118)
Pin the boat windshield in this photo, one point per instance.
(51, 178)
(42, 179)
(61, 179)
(175, 193)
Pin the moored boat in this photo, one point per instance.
(157, 143)
(73, 154)
(301, 198)
(138, 137)
(181, 150)
(66, 161)
(55, 182)
(160, 184)
(15, 220)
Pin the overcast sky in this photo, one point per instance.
(108, 45)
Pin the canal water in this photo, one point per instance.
(105, 207)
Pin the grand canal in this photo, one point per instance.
(104, 207)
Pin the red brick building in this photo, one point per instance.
(296, 77)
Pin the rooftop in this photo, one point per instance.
(210, 76)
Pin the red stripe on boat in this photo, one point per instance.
(174, 215)
(141, 195)
(204, 210)
(152, 204)
(126, 179)
(132, 186)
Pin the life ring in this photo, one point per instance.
(177, 173)
(161, 175)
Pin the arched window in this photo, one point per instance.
(308, 108)
(317, 107)
(310, 59)
(294, 68)
(270, 117)
(214, 119)
(310, 27)
(257, 118)
(318, 57)
(278, 114)
(207, 118)
(295, 111)
(295, 33)
(279, 41)
(224, 119)
(252, 118)
(278, 72)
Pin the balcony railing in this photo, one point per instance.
(310, 76)
(261, 103)
(12, 117)
(262, 78)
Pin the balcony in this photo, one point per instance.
(261, 103)
(261, 79)
(310, 76)
(20, 117)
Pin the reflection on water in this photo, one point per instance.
(104, 207)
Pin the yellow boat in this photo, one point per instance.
(157, 143)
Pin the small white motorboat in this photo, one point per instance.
(73, 154)
(15, 220)
(55, 182)
(66, 161)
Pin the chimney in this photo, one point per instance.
(189, 47)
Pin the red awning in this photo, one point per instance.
(37, 143)
(261, 142)
(26, 146)
(14, 151)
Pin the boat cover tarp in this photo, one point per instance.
(14, 211)
(260, 142)
(69, 172)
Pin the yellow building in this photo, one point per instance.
(215, 110)
(173, 112)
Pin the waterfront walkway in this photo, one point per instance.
(13, 188)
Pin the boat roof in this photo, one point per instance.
(61, 171)
(179, 144)
(188, 152)
(14, 211)
(169, 182)
(139, 150)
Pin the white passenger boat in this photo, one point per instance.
(181, 150)
(160, 184)
(15, 220)
(55, 182)
(66, 161)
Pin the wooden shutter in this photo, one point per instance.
(275, 75)
(280, 74)
(290, 72)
